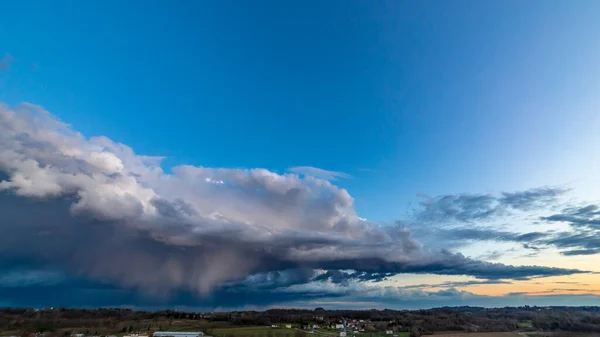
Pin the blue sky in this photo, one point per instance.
(404, 98)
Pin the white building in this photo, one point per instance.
(339, 326)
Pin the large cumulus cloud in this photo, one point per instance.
(94, 208)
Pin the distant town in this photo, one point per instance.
(442, 322)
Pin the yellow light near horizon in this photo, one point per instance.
(572, 284)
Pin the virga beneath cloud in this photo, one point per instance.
(93, 208)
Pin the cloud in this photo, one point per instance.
(584, 236)
(93, 209)
(581, 252)
(579, 242)
(490, 256)
(587, 216)
(344, 277)
(531, 199)
(481, 207)
(5, 61)
(457, 220)
(571, 282)
(490, 234)
(26, 278)
(319, 173)
(460, 220)
(80, 293)
(526, 246)
(453, 284)
(463, 208)
(456, 236)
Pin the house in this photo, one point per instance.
(289, 326)
(389, 332)
(339, 326)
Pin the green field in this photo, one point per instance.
(323, 333)
(525, 324)
(253, 331)
(380, 334)
(262, 331)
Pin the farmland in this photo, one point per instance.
(481, 334)
(476, 322)
(262, 331)
(526, 324)
(253, 331)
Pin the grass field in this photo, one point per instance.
(480, 334)
(525, 324)
(282, 332)
(377, 334)
(380, 334)
(253, 331)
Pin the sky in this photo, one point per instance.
(344, 154)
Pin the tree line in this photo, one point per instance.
(63, 322)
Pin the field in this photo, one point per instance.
(442, 322)
(262, 331)
(379, 334)
(481, 334)
(253, 331)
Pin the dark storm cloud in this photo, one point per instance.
(173, 209)
(81, 293)
(343, 277)
(46, 234)
(86, 294)
(444, 263)
(94, 209)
